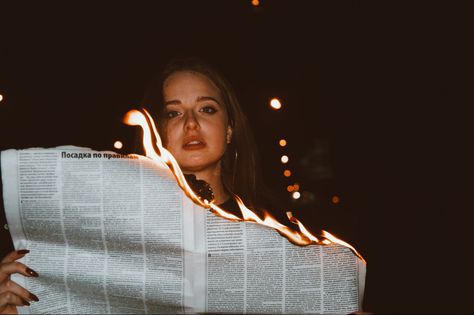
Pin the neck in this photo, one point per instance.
(213, 178)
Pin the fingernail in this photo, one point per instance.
(31, 272)
(22, 251)
(25, 303)
(33, 297)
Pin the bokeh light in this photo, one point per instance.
(255, 3)
(296, 195)
(287, 173)
(296, 186)
(335, 199)
(275, 103)
(284, 159)
(282, 142)
(1, 97)
(118, 144)
(290, 188)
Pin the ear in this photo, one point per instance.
(229, 134)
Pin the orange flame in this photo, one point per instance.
(326, 237)
(155, 151)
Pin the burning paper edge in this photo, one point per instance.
(154, 150)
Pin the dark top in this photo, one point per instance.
(231, 206)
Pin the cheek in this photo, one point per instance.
(220, 136)
(167, 137)
(219, 128)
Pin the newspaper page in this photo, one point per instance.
(115, 234)
(252, 269)
(106, 232)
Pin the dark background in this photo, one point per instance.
(375, 110)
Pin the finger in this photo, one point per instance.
(8, 298)
(15, 288)
(12, 256)
(15, 267)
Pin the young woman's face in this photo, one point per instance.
(196, 129)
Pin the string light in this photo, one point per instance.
(275, 103)
(287, 173)
(284, 159)
(290, 188)
(255, 3)
(282, 142)
(118, 144)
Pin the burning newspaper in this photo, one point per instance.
(112, 234)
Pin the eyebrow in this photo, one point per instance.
(172, 102)
(207, 98)
(199, 99)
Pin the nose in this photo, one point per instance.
(191, 121)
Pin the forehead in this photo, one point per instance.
(187, 83)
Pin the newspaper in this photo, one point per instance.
(115, 234)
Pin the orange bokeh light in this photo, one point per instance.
(287, 173)
(335, 199)
(282, 142)
(255, 3)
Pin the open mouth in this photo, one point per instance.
(193, 144)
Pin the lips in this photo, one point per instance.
(193, 143)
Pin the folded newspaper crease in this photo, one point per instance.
(115, 234)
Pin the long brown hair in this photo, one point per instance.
(239, 163)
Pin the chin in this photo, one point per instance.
(197, 165)
(192, 168)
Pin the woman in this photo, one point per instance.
(203, 126)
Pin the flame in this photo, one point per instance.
(293, 236)
(155, 151)
(326, 237)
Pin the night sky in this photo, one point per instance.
(375, 99)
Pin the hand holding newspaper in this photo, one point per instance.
(115, 234)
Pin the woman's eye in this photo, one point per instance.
(208, 110)
(172, 114)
